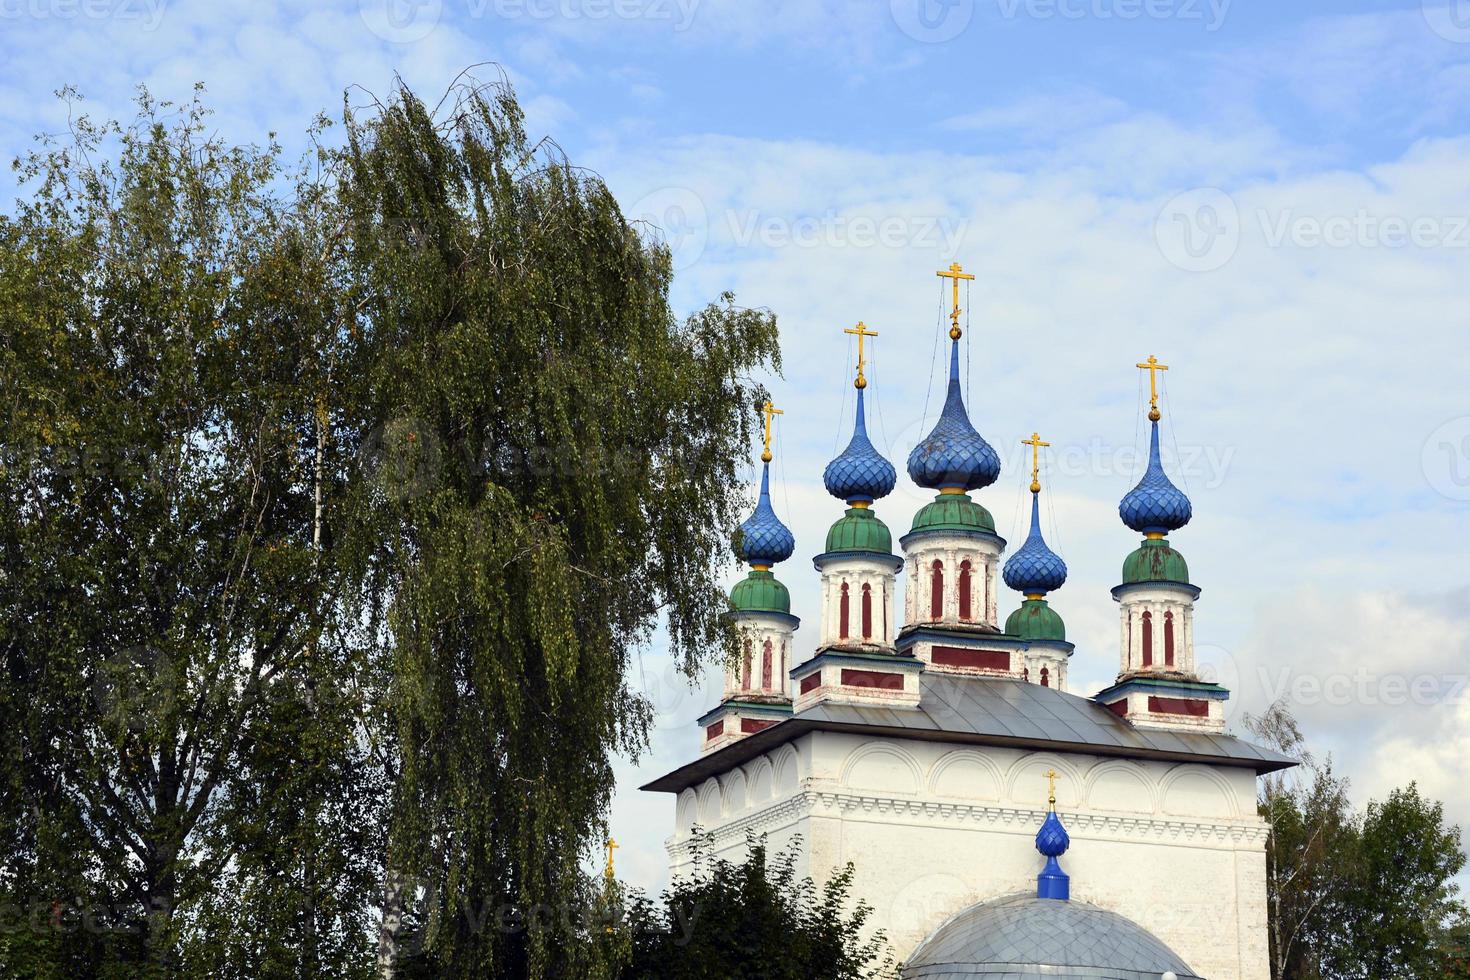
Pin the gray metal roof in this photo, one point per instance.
(1022, 937)
(989, 711)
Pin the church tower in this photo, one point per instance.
(952, 552)
(756, 695)
(856, 660)
(1158, 685)
(1034, 571)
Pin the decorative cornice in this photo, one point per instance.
(1224, 834)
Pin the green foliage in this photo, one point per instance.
(333, 504)
(754, 921)
(1356, 896)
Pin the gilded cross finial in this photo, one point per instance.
(611, 846)
(955, 273)
(769, 410)
(1051, 797)
(1035, 443)
(860, 331)
(1153, 367)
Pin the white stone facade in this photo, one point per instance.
(855, 581)
(765, 646)
(933, 828)
(969, 558)
(1154, 619)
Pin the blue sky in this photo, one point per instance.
(1273, 197)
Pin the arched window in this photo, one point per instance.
(936, 590)
(964, 587)
(1148, 639)
(1045, 677)
(842, 621)
(1025, 673)
(1168, 639)
(1129, 631)
(867, 612)
(766, 667)
(745, 671)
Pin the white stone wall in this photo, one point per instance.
(856, 572)
(1159, 601)
(755, 631)
(934, 828)
(951, 550)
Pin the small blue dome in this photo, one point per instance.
(763, 539)
(1155, 506)
(1052, 840)
(859, 474)
(954, 455)
(1035, 568)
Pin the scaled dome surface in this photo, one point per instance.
(1022, 937)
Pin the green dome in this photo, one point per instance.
(760, 592)
(860, 530)
(953, 512)
(1036, 620)
(1155, 561)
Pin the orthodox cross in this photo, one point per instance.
(860, 331)
(769, 411)
(1035, 443)
(611, 846)
(955, 273)
(1153, 367)
(1051, 779)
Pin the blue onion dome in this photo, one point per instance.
(1052, 840)
(1156, 506)
(954, 456)
(859, 475)
(763, 540)
(1035, 569)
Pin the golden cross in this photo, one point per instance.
(611, 846)
(1153, 367)
(769, 411)
(955, 273)
(1051, 778)
(1035, 443)
(860, 331)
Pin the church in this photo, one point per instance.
(999, 825)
